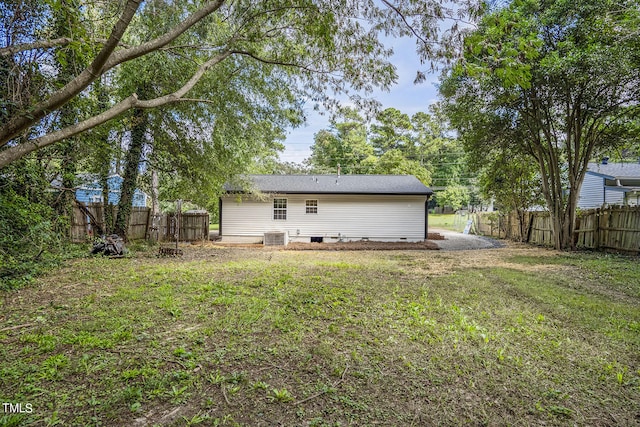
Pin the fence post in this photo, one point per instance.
(596, 230)
(146, 227)
(530, 229)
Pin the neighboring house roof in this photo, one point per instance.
(615, 170)
(333, 184)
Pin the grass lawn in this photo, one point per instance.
(234, 336)
(447, 221)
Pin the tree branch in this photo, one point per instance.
(17, 151)
(20, 123)
(275, 62)
(404, 19)
(105, 60)
(45, 44)
(165, 39)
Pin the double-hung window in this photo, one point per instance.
(311, 206)
(280, 209)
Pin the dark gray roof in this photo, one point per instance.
(332, 184)
(615, 170)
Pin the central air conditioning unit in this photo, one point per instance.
(276, 238)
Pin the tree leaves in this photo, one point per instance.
(551, 80)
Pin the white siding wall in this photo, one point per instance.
(352, 217)
(591, 192)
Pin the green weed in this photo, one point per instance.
(280, 395)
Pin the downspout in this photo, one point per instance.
(219, 216)
(426, 218)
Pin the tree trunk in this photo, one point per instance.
(64, 206)
(107, 211)
(130, 178)
(68, 115)
(155, 197)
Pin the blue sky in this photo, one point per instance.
(406, 96)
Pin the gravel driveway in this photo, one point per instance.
(455, 241)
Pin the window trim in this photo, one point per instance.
(280, 211)
(311, 209)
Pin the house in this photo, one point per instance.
(610, 184)
(89, 190)
(325, 208)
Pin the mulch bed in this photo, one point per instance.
(369, 246)
(363, 246)
(348, 246)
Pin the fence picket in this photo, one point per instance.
(615, 228)
(142, 225)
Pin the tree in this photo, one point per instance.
(393, 162)
(392, 131)
(513, 183)
(558, 82)
(344, 143)
(438, 150)
(348, 144)
(319, 46)
(455, 196)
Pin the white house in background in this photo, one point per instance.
(610, 184)
(325, 208)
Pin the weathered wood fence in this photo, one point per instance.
(612, 228)
(616, 228)
(193, 226)
(89, 218)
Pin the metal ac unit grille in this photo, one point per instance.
(275, 238)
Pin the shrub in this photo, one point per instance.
(28, 239)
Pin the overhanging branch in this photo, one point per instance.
(22, 122)
(105, 60)
(277, 62)
(45, 44)
(13, 153)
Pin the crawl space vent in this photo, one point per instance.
(275, 238)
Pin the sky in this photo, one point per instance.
(406, 96)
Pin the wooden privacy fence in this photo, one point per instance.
(494, 224)
(89, 219)
(614, 228)
(193, 226)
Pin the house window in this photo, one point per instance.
(311, 206)
(279, 208)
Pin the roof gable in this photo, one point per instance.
(333, 184)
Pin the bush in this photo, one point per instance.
(28, 239)
(455, 196)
